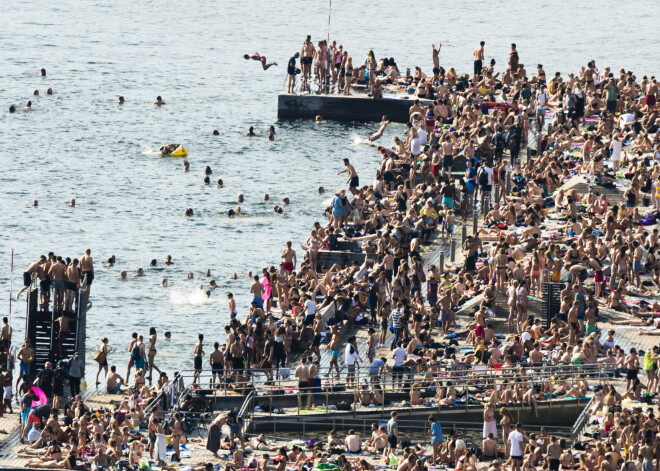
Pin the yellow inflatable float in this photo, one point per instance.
(173, 150)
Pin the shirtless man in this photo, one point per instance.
(478, 58)
(44, 282)
(57, 274)
(113, 381)
(307, 52)
(322, 62)
(5, 335)
(302, 373)
(257, 291)
(198, 352)
(64, 328)
(231, 305)
(29, 275)
(445, 308)
(87, 267)
(383, 124)
(72, 284)
(258, 57)
(216, 360)
(436, 61)
(333, 346)
(25, 356)
(289, 256)
(353, 179)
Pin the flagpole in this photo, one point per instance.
(11, 283)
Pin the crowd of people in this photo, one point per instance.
(602, 129)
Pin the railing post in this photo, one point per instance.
(507, 188)
(463, 234)
(452, 251)
(270, 413)
(475, 219)
(326, 400)
(441, 262)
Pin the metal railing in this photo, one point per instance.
(582, 420)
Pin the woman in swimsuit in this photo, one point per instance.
(152, 352)
(313, 246)
(521, 302)
(348, 75)
(536, 273)
(104, 349)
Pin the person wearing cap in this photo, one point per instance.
(76, 374)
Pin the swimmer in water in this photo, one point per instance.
(286, 200)
(266, 197)
(120, 100)
(190, 275)
(241, 198)
(321, 190)
(42, 72)
(319, 119)
(49, 91)
(383, 124)
(207, 180)
(249, 274)
(28, 105)
(208, 170)
(12, 109)
(278, 210)
(35, 203)
(238, 210)
(216, 132)
(189, 213)
(168, 149)
(258, 57)
(168, 335)
(159, 101)
(186, 165)
(72, 203)
(153, 263)
(208, 272)
(164, 283)
(123, 274)
(231, 213)
(36, 93)
(220, 184)
(111, 261)
(271, 133)
(208, 293)
(140, 272)
(250, 131)
(212, 284)
(233, 276)
(168, 260)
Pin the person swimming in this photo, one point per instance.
(72, 203)
(216, 132)
(250, 131)
(220, 184)
(159, 101)
(207, 180)
(241, 198)
(266, 197)
(168, 149)
(189, 213)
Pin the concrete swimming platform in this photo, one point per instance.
(358, 107)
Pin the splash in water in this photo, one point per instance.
(194, 296)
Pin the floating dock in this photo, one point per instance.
(358, 107)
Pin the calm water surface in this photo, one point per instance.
(79, 144)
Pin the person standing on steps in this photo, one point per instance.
(198, 352)
(87, 267)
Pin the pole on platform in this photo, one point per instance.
(452, 251)
(463, 234)
(475, 218)
(441, 262)
(508, 183)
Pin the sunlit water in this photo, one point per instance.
(79, 144)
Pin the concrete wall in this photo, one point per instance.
(343, 108)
